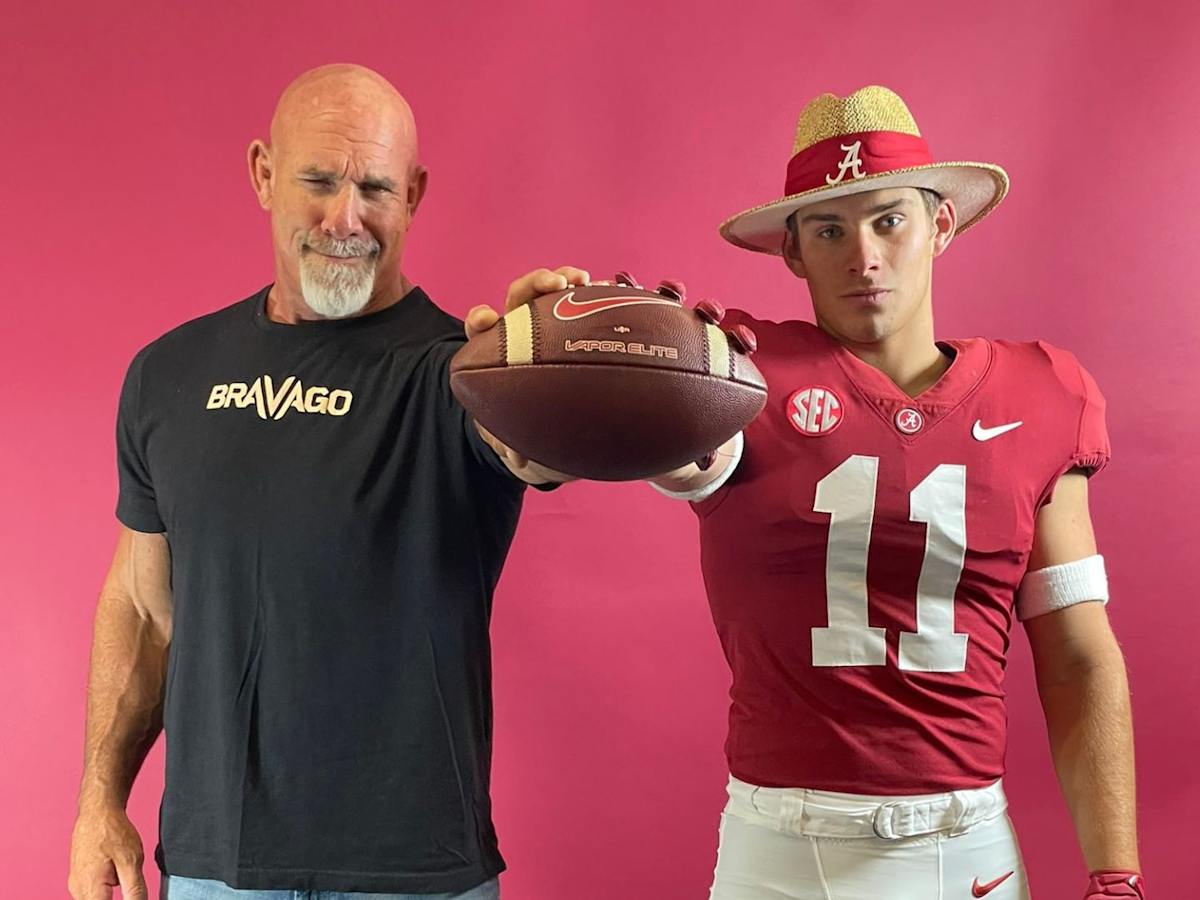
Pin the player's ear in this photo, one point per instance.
(945, 221)
(790, 250)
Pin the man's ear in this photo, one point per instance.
(262, 172)
(790, 249)
(945, 222)
(417, 183)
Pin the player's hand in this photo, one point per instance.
(106, 852)
(697, 474)
(524, 289)
(1106, 884)
(526, 469)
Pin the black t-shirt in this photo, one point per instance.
(337, 527)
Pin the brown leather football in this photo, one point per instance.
(610, 381)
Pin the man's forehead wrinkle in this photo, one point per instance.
(348, 143)
(363, 159)
(349, 117)
(342, 135)
(335, 162)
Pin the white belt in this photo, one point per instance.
(834, 815)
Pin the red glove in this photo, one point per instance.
(1106, 883)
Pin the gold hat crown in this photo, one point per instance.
(872, 108)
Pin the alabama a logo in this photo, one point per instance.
(850, 163)
(909, 421)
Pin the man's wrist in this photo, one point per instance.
(99, 799)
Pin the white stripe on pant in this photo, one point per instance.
(797, 844)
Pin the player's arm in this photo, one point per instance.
(1081, 680)
(525, 289)
(131, 639)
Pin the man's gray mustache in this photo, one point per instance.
(345, 251)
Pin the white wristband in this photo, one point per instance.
(713, 486)
(1057, 587)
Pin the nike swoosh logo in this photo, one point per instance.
(982, 890)
(568, 308)
(986, 434)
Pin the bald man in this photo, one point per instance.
(311, 529)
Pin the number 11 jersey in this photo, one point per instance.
(863, 559)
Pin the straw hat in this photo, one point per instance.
(867, 141)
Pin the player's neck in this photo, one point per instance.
(910, 357)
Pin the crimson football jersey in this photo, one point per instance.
(862, 560)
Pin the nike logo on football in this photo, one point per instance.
(568, 308)
(982, 890)
(986, 434)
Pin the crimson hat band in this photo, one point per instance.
(851, 156)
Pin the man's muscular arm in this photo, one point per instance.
(1084, 692)
(132, 636)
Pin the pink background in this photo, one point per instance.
(605, 134)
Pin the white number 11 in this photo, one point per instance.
(940, 501)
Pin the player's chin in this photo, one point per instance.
(865, 329)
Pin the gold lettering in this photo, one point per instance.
(275, 399)
(256, 396)
(294, 399)
(274, 404)
(316, 400)
(335, 397)
(237, 394)
(219, 396)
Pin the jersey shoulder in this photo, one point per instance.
(1054, 373)
(1057, 382)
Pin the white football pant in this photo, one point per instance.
(797, 844)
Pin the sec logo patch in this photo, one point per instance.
(815, 411)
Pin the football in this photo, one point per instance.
(611, 381)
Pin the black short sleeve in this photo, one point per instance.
(137, 505)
